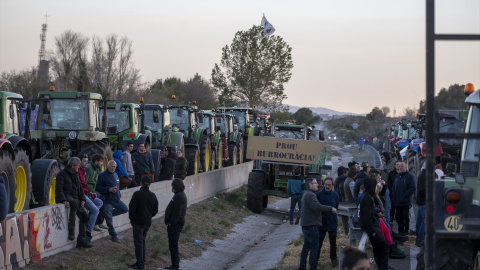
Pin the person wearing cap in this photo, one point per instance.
(175, 220)
(142, 208)
(403, 189)
(168, 167)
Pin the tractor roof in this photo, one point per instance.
(473, 98)
(72, 95)
(208, 112)
(235, 108)
(10, 95)
(289, 126)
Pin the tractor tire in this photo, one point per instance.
(219, 162)
(8, 173)
(453, 254)
(213, 161)
(98, 147)
(232, 155)
(205, 153)
(44, 180)
(240, 152)
(23, 182)
(245, 144)
(193, 159)
(255, 198)
(157, 162)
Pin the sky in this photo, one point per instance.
(348, 55)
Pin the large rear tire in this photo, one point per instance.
(193, 159)
(8, 174)
(219, 162)
(205, 153)
(44, 180)
(240, 150)
(232, 155)
(23, 181)
(213, 159)
(453, 254)
(98, 147)
(245, 144)
(255, 191)
(157, 163)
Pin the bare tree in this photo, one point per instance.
(410, 113)
(22, 82)
(385, 110)
(69, 48)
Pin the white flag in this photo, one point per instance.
(268, 29)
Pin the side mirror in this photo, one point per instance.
(117, 106)
(156, 116)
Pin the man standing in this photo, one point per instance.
(175, 220)
(92, 203)
(143, 163)
(329, 220)
(295, 190)
(127, 163)
(181, 166)
(403, 189)
(93, 169)
(390, 180)
(361, 175)
(421, 198)
(143, 206)
(68, 191)
(168, 168)
(311, 221)
(108, 185)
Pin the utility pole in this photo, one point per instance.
(43, 65)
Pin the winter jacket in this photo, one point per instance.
(176, 209)
(127, 163)
(403, 189)
(347, 191)
(3, 200)
(358, 182)
(106, 180)
(81, 176)
(68, 187)
(329, 219)
(391, 179)
(368, 221)
(421, 194)
(117, 156)
(142, 207)
(295, 185)
(312, 210)
(181, 167)
(339, 187)
(168, 168)
(91, 176)
(143, 162)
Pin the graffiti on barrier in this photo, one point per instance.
(46, 243)
(57, 218)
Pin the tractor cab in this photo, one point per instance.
(156, 121)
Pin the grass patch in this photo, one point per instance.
(224, 223)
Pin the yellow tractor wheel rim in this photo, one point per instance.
(220, 157)
(21, 190)
(207, 158)
(235, 158)
(196, 164)
(51, 192)
(241, 152)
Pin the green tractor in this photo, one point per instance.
(209, 124)
(15, 154)
(125, 125)
(271, 177)
(243, 125)
(231, 137)
(68, 123)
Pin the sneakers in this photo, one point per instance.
(88, 239)
(419, 242)
(115, 239)
(297, 220)
(133, 266)
(102, 226)
(395, 253)
(82, 243)
(96, 228)
(291, 222)
(71, 235)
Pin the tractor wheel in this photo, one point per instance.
(453, 254)
(219, 155)
(232, 154)
(23, 182)
(193, 159)
(255, 198)
(98, 147)
(44, 180)
(157, 162)
(205, 153)
(213, 159)
(245, 144)
(240, 151)
(8, 174)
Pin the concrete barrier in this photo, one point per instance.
(29, 236)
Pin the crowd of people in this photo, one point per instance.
(94, 197)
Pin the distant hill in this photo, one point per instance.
(322, 111)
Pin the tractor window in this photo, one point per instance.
(180, 118)
(206, 124)
(222, 123)
(12, 125)
(149, 123)
(471, 147)
(451, 125)
(289, 134)
(117, 121)
(241, 119)
(66, 114)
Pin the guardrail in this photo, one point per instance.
(29, 236)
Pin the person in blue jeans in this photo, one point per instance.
(295, 190)
(108, 185)
(311, 221)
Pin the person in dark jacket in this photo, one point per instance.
(390, 180)
(122, 174)
(181, 166)
(109, 186)
(361, 175)
(342, 175)
(175, 220)
(329, 220)
(421, 197)
(403, 189)
(370, 224)
(168, 168)
(143, 163)
(3, 200)
(69, 191)
(295, 190)
(311, 220)
(143, 206)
